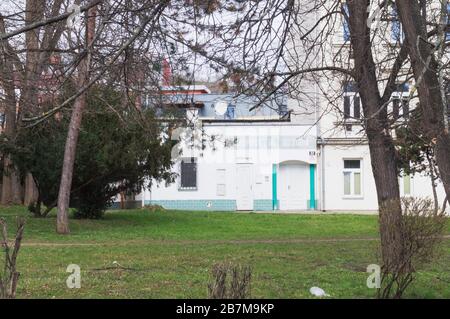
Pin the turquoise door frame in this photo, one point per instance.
(312, 186)
(274, 187)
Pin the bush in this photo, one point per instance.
(421, 231)
(230, 281)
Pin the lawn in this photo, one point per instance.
(169, 255)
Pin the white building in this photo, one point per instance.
(241, 159)
(264, 161)
(293, 153)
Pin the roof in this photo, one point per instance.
(273, 108)
(186, 89)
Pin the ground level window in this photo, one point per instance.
(352, 178)
(407, 185)
(188, 174)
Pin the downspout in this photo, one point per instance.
(322, 174)
(319, 133)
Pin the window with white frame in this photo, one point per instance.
(352, 101)
(406, 185)
(352, 178)
(400, 102)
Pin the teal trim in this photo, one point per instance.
(312, 186)
(309, 203)
(274, 187)
(196, 204)
(262, 204)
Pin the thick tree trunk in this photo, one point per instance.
(31, 192)
(425, 69)
(62, 220)
(382, 150)
(11, 192)
(385, 173)
(11, 186)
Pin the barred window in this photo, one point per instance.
(188, 174)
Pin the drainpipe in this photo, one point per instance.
(322, 174)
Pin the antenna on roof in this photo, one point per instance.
(221, 107)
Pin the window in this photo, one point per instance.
(345, 22)
(397, 32)
(407, 185)
(447, 34)
(188, 174)
(352, 101)
(352, 178)
(400, 102)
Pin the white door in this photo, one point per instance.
(244, 191)
(293, 181)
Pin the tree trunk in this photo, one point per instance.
(11, 186)
(10, 183)
(425, 68)
(385, 173)
(382, 150)
(62, 220)
(30, 190)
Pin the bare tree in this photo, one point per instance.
(427, 70)
(9, 277)
(62, 221)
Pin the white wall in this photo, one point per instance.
(249, 149)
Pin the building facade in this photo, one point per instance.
(236, 159)
(303, 151)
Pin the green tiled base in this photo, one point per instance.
(263, 204)
(217, 204)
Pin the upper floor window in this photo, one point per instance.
(188, 174)
(352, 101)
(400, 102)
(397, 30)
(447, 34)
(352, 177)
(345, 24)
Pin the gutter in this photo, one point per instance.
(322, 173)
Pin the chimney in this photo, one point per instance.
(167, 72)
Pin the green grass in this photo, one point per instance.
(171, 253)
